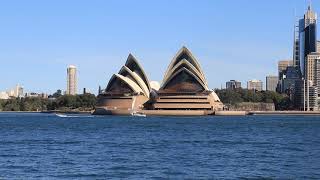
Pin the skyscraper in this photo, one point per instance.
(307, 36)
(72, 80)
(271, 83)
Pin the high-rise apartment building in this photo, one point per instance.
(233, 84)
(71, 80)
(255, 85)
(272, 83)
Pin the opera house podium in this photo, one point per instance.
(184, 90)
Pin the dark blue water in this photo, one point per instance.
(45, 146)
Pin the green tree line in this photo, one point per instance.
(281, 101)
(83, 102)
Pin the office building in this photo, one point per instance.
(311, 67)
(306, 96)
(233, 84)
(282, 67)
(287, 84)
(255, 85)
(71, 80)
(272, 83)
(307, 37)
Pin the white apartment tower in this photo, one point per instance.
(72, 80)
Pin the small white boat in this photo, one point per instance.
(61, 115)
(138, 114)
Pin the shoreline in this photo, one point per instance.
(50, 112)
(217, 113)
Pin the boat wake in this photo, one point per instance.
(73, 116)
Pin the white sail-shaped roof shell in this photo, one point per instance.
(190, 73)
(189, 66)
(135, 67)
(134, 87)
(136, 78)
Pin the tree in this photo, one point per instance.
(281, 101)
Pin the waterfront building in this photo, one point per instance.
(311, 69)
(184, 87)
(72, 80)
(317, 73)
(306, 96)
(127, 91)
(255, 85)
(233, 84)
(271, 83)
(184, 90)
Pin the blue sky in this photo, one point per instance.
(232, 39)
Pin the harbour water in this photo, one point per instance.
(44, 146)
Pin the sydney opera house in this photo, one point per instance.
(183, 91)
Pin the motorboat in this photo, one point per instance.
(138, 114)
(61, 115)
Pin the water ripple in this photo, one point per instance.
(33, 146)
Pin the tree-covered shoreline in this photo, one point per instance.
(83, 102)
(236, 96)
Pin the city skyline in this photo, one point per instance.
(91, 43)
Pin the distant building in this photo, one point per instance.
(307, 86)
(233, 84)
(271, 83)
(312, 68)
(255, 85)
(18, 91)
(306, 98)
(4, 95)
(99, 90)
(288, 84)
(282, 66)
(15, 92)
(32, 95)
(307, 36)
(71, 80)
(36, 95)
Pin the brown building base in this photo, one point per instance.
(103, 111)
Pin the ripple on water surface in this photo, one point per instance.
(46, 146)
